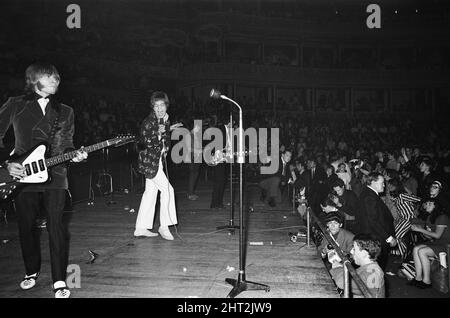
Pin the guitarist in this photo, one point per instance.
(38, 117)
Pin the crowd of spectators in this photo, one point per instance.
(410, 162)
(412, 155)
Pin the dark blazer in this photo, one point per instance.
(303, 180)
(32, 127)
(318, 187)
(350, 203)
(148, 159)
(375, 217)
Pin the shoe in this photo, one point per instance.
(144, 233)
(41, 223)
(165, 233)
(29, 281)
(423, 285)
(414, 282)
(192, 197)
(61, 290)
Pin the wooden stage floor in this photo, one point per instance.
(194, 265)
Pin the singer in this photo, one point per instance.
(150, 163)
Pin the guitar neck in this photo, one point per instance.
(72, 154)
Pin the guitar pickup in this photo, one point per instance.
(35, 167)
(41, 165)
(28, 169)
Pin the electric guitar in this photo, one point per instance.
(36, 165)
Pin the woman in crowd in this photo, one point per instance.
(435, 228)
(404, 205)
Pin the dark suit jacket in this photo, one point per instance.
(148, 160)
(375, 217)
(32, 127)
(350, 203)
(318, 187)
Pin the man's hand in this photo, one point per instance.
(391, 241)
(81, 155)
(161, 129)
(16, 170)
(175, 126)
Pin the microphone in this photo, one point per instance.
(214, 93)
(163, 135)
(161, 122)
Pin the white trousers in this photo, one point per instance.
(167, 210)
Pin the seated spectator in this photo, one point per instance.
(404, 205)
(435, 228)
(344, 174)
(409, 182)
(348, 203)
(365, 252)
(328, 206)
(332, 177)
(427, 176)
(442, 198)
(342, 237)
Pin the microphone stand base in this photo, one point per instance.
(230, 227)
(240, 285)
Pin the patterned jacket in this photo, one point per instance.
(148, 160)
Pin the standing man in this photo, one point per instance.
(38, 117)
(155, 140)
(272, 184)
(318, 189)
(375, 217)
(219, 170)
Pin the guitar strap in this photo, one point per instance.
(53, 131)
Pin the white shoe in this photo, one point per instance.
(61, 290)
(165, 233)
(29, 281)
(144, 232)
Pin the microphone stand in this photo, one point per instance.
(231, 227)
(241, 284)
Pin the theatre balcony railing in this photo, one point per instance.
(307, 77)
(349, 270)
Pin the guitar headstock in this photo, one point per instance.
(123, 139)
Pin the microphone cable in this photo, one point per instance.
(164, 154)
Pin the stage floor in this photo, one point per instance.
(194, 265)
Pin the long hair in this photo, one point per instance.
(36, 71)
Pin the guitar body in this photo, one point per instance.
(36, 171)
(36, 165)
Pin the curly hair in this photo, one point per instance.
(370, 244)
(159, 95)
